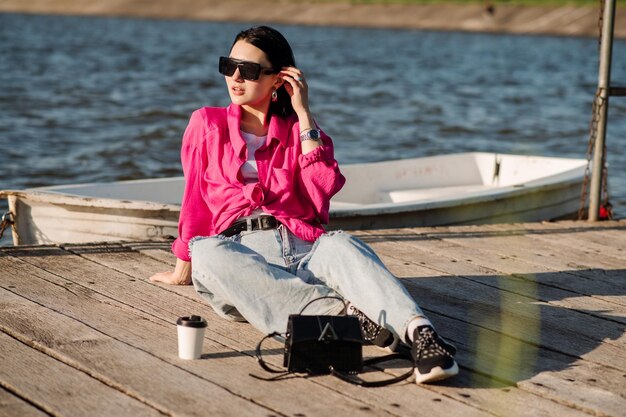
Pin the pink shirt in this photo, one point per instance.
(293, 187)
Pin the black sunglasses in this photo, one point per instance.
(249, 70)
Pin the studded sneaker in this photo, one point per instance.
(433, 356)
(372, 332)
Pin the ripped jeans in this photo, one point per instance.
(264, 276)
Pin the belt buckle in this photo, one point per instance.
(249, 225)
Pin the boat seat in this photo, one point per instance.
(402, 196)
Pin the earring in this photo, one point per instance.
(274, 96)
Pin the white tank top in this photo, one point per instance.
(249, 169)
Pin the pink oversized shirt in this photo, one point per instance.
(293, 187)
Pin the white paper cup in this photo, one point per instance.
(190, 336)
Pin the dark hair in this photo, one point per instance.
(280, 55)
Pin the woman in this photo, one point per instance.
(259, 176)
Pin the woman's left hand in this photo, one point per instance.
(181, 275)
(170, 278)
(297, 88)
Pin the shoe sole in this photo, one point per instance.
(436, 374)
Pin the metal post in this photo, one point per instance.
(604, 84)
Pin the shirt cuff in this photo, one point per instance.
(181, 250)
(319, 154)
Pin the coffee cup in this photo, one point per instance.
(190, 336)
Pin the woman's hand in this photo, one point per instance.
(181, 275)
(170, 278)
(298, 90)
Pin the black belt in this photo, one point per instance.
(258, 223)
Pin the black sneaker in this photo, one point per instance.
(373, 333)
(433, 356)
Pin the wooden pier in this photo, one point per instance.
(537, 311)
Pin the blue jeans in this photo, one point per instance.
(264, 276)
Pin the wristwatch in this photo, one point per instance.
(310, 134)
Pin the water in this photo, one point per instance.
(101, 99)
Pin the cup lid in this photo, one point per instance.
(192, 321)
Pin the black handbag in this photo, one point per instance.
(317, 344)
(321, 345)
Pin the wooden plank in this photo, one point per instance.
(601, 241)
(560, 377)
(571, 243)
(552, 375)
(574, 322)
(493, 397)
(605, 269)
(155, 259)
(58, 388)
(599, 279)
(463, 313)
(159, 250)
(467, 247)
(225, 368)
(593, 401)
(14, 406)
(502, 400)
(476, 265)
(75, 314)
(117, 364)
(564, 330)
(532, 331)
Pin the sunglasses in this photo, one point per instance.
(249, 70)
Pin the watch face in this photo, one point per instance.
(312, 134)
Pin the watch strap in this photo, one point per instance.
(310, 134)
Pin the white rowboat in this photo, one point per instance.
(466, 188)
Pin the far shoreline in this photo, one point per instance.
(527, 20)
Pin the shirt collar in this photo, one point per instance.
(278, 129)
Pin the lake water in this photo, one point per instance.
(87, 99)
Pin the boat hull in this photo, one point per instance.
(555, 203)
(77, 220)
(433, 191)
